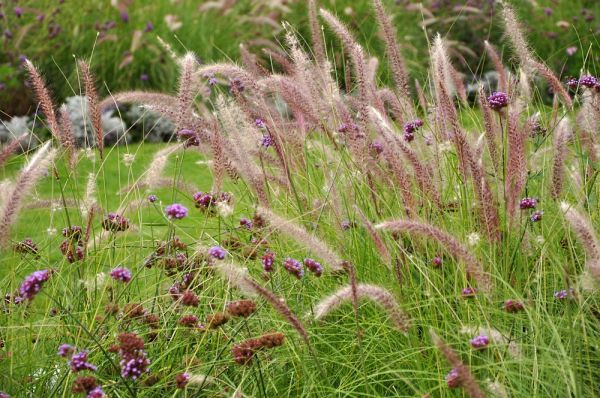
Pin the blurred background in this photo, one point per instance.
(120, 38)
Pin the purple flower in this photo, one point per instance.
(79, 362)
(260, 123)
(479, 342)
(294, 267)
(18, 12)
(8, 34)
(528, 203)
(203, 200)
(176, 211)
(266, 141)
(498, 100)
(33, 284)
(377, 147)
(453, 378)
(96, 393)
(548, 11)
(437, 261)
(563, 294)
(217, 252)
(571, 51)
(211, 79)
(248, 224)
(115, 222)
(64, 350)
(536, 216)
(124, 16)
(144, 77)
(149, 27)
(347, 224)
(121, 274)
(133, 366)
(588, 81)
(468, 292)
(410, 128)
(513, 306)
(268, 259)
(41, 17)
(152, 198)
(4, 395)
(181, 380)
(314, 267)
(572, 83)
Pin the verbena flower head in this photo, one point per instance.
(587, 81)
(260, 123)
(134, 360)
(182, 379)
(479, 342)
(266, 141)
(115, 222)
(410, 128)
(121, 274)
(176, 211)
(268, 259)
(4, 395)
(33, 283)
(79, 362)
(498, 100)
(64, 350)
(149, 27)
(314, 267)
(453, 378)
(528, 203)
(96, 393)
(536, 216)
(294, 267)
(469, 292)
(246, 223)
(152, 198)
(563, 294)
(18, 11)
(74, 232)
(437, 261)
(217, 252)
(377, 147)
(513, 306)
(27, 246)
(572, 83)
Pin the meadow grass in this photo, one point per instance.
(337, 179)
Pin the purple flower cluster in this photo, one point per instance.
(189, 137)
(498, 100)
(207, 201)
(536, 216)
(134, 366)
(313, 266)
(4, 395)
(121, 274)
(268, 259)
(176, 211)
(217, 252)
(437, 261)
(64, 350)
(376, 147)
(294, 267)
(528, 203)
(410, 128)
(563, 294)
(134, 360)
(453, 378)
(79, 362)
(246, 223)
(266, 141)
(211, 79)
(513, 306)
(588, 81)
(152, 198)
(469, 292)
(260, 123)
(115, 222)
(96, 393)
(479, 342)
(33, 283)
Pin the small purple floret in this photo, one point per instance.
(479, 342)
(294, 267)
(121, 274)
(176, 211)
(217, 252)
